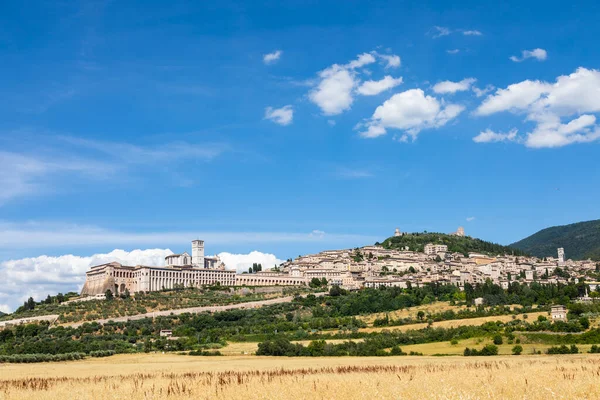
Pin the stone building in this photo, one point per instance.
(431, 248)
(181, 270)
(558, 312)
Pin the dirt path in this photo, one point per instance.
(195, 310)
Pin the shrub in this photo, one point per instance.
(563, 349)
(102, 353)
(34, 358)
(517, 350)
(488, 350)
(205, 353)
(497, 339)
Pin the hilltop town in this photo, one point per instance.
(403, 260)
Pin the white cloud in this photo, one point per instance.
(489, 136)
(518, 96)
(469, 219)
(318, 233)
(439, 31)
(392, 60)
(482, 92)
(550, 132)
(241, 262)
(25, 174)
(453, 51)
(573, 98)
(337, 83)
(331, 122)
(538, 54)
(52, 166)
(410, 111)
(273, 57)
(453, 87)
(39, 276)
(362, 60)
(282, 116)
(372, 88)
(334, 92)
(15, 236)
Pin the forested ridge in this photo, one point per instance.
(580, 241)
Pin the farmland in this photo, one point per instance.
(153, 376)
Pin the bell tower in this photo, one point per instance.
(198, 253)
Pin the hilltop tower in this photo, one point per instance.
(198, 253)
(397, 233)
(561, 256)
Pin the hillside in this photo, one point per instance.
(459, 244)
(142, 303)
(580, 241)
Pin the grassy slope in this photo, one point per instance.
(580, 241)
(154, 301)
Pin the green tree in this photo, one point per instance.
(315, 283)
(517, 350)
(497, 339)
(108, 294)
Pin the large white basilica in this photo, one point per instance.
(180, 270)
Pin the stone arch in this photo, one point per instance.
(122, 288)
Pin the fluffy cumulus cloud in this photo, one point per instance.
(392, 60)
(241, 262)
(273, 57)
(515, 97)
(337, 84)
(453, 87)
(372, 88)
(333, 95)
(410, 111)
(562, 111)
(282, 116)
(489, 136)
(538, 54)
(39, 276)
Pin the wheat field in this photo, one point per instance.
(158, 376)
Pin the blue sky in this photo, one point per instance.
(292, 126)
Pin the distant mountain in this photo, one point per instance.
(456, 244)
(2, 314)
(580, 241)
